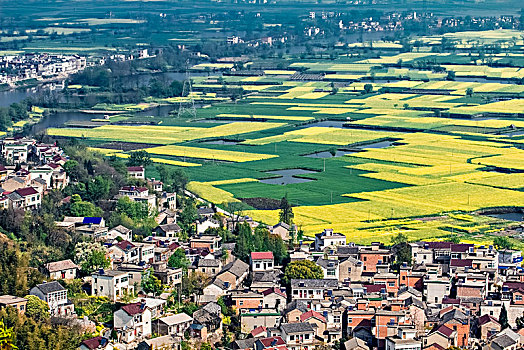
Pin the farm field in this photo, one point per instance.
(362, 146)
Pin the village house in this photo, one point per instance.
(132, 322)
(16, 302)
(55, 295)
(175, 325)
(262, 261)
(111, 283)
(65, 270)
(136, 172)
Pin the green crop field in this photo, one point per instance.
(368, 146)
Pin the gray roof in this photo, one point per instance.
(289, 328)
(314, 283)
(355, 343)
(244, 343)
(327, 263)
(504, 341)
(270, 276)
(345, 250)
(237, 267)
(213, 308)
(228, 246)
(121, 229)
(208, 263)
(50, 287)
(296, 304)
(170, 227)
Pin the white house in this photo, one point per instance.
(298, 336)
(110, 283)
(55, 295)
(137, 172)
(328, 238)
(262, 261)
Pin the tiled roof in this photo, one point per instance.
(461, 262)
(134, 309)
(60, 265)
(28, 191)
(274, 290)
(125, 245)
(445, 331)
(95, 343)
(258, 330)
(50, 287)
(296, 327)
(262, 256)
(307, 315)
(135, 168)
(485, 319)
(272, 341)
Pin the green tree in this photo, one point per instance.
(401, 248)
(139, 158)
(368, 88)
(469, 92)
(81, 208)
(503, 317)
(302, 269)
(286, 211)
(502, 242)
(188, 215)
(36, 308)
(151, 284)
(91, 257)
(206, 346)
(178, 259)
(7, 337)
(137, 211)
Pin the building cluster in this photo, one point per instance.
(34, 168)
(15, 68)
(395, 21)
(451, 295)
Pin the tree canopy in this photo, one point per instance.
(302, 269)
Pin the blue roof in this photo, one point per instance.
(196, 326)
(92, 220)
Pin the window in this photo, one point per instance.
(349, 269)
(241, 302)
(331, 272)
(365, 258)
(292, 337)
(306, 336)
(391, 284)
(518, 297)
(257, 265)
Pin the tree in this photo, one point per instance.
(36, 308)
(502, 242)
(178, 259)
(503, 317)
(139, 158)
(194, 282)
(401, 248)
(206, 346)
(368, 88)
(151, 284)
(286, 211)
(469, 92)
(91, 257)
(188, 215)
(451, 75)
(7, 337)
(302, 269)
(520, 322)
(81, 208)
